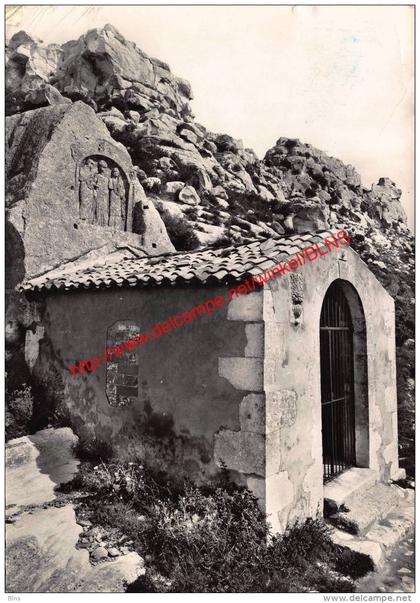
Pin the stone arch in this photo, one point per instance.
(359, 367)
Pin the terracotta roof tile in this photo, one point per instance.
(208, 265)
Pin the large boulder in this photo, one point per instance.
(29, 65)
(42, 557)
(385, 202)
(309, 216)
(189, 196)
(40, 461)
(101, 65)
(47, 184)
(41, 533)
(297, 159)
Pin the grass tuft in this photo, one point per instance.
(212, 539)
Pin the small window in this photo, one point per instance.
(121, 369)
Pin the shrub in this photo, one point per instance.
(213, 538)
(216, 220)
(93, 451)
(242, 203)
(309, 541)
(191, 212)
(180, 232)
(237, 221)
(206, 200)
(61, 416)
(19, 411)
(222, 241)
(352, 564)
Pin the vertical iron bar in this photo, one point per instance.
(338, 415)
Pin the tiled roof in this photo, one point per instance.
(206, 266)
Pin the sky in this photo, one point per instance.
(338, 77)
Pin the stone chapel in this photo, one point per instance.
(291, 388)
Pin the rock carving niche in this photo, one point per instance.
(103, 193)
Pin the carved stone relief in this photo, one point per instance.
(296, 290)
(103, 192)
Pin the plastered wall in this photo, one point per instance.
(184, 382)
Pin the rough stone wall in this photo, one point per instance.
(292, 383)
(243, 450)
(184, 393)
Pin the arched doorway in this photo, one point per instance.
(337, 383)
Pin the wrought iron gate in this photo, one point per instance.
(337, 390)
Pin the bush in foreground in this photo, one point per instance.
(19, 410)
(212, 539)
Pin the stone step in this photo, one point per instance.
(366, 507)
(385, 533)
(348, 484)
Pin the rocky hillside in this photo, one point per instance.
(209, 189)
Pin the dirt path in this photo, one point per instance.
(397, 574)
